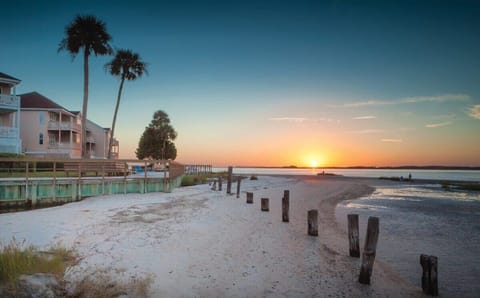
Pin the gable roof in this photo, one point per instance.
(9, 79)
(35, 100)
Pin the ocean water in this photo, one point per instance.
(453, 175)
(425, 219)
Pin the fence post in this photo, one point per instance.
(285, 205)
(312, 220)
(249, 197)
(353, 235)
(264, 204)
(229, 180)
(429, 274)
(369, 251)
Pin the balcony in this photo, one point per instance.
(64, 146)
(56, 125)
(9, 102)
(90, 140)
(8, 132)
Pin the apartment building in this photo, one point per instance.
(98, 139)
(48, 129)
(9, 115)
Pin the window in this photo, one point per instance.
(41, 117)
(40, 138)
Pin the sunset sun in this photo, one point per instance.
(313, 163)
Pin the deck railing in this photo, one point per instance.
(53, 180)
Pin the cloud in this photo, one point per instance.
(435, 125)
(475, 112)
(367, 131)
(392, 140)
(407, 100)
(300, 119)
(364, 117)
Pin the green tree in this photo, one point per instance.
(87, 34)
(156, 141)
(126, 65)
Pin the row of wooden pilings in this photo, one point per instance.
(428, 263)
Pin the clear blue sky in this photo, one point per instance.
(323, 80)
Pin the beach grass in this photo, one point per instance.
(16, 259)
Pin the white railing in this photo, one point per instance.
(57, 145)
(9, 101)
(8, 132)
(62, 125)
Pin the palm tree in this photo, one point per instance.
(128, 66)
(87, 34)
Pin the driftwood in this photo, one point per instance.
(312, 221)
(369, 251)
(353, 235)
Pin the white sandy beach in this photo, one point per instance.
(204, 243)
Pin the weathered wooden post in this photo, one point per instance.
(369, 251)
(265, 204)
(229, 180)
(285, 205)
(312, 220)
(249, 197)
(238, 186)
(353, 235)
(214, 185)
(219, 183)
(429, 274)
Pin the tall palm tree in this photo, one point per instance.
(128, 66)
(87, 34)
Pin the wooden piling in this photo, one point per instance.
(429, 274)
(285, 206)
(238, 187)
(312, 221)
(353, 235)
(264, 204)
(229, 180)
(219, 183)
(214, 185)
(369, 251)
(249, 197)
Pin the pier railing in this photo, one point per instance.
(37, 181)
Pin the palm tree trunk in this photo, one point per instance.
(83, 137)
(115, 117)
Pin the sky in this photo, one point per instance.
(271, 83)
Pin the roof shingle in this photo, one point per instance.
(34, 100)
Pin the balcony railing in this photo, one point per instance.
(8, 132)
(56, 125)
(57, 145)
(90, 139)
(10, 102)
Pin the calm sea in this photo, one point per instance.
(453, 175)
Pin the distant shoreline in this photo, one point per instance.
(463, 168)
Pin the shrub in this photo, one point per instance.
(187, 181)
